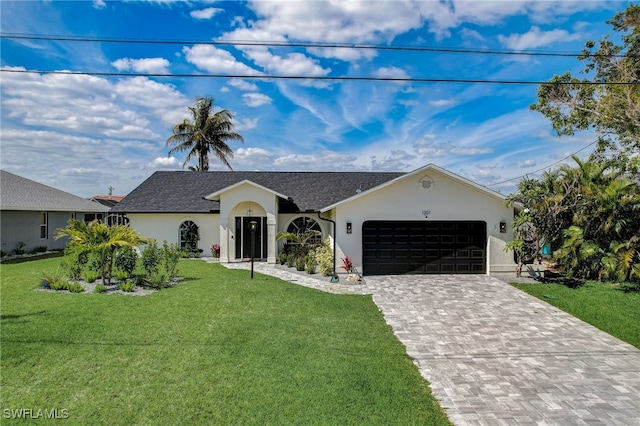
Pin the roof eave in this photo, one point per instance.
(215, 196)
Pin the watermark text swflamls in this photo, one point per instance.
(38, 413)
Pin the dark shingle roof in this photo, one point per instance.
(18, 193)
(182, 192)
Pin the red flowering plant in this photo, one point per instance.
(347, 264)
(215, 251)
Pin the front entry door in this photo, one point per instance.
(243, 235)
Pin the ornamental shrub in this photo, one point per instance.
(150, 257)
(127, 286)
(310, 263)
(89, 276)
(126, 258)
(75, 287)
(324, 258)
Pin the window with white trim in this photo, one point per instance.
(44, 225)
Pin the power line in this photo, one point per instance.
(320, 78)
(303, 45)
(544, 168)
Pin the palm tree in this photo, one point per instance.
(205, 133)
(100, 238)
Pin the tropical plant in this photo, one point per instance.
(589, 214)
(324, 257)
(310, 262)
(75, 287)
(89, 276)
(101, 239)
(48, 279)
(59, 285)
(127, 286)
(303, 241)
(347, 264)
(205, 133)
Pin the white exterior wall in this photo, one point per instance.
(234, 202)
(446, 199)
(166, 226)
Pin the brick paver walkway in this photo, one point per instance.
(497, 356)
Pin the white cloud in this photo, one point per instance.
(205, 14)
(391, 72)
(144, 65)
(535, 38)
(442, 102)
(164, 163)
(430, 146)
(470, 35)
(321, 161)
(256, 99)
(99, 4)
(397, 160)
(255, 158)
(246, 124)
(238, 83)
(291, 64)
(527, 163)
(214, 60)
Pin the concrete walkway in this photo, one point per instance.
(497, 356)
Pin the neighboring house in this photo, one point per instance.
(426, 221)
(30, 212)
(110, 201)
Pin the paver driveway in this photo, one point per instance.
(495, 355)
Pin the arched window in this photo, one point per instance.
(303, 224)
(189, 236)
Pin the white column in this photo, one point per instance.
(224, 239)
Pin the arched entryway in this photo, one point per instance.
(242, 216)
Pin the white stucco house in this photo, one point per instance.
(426, 221)
(30, 213)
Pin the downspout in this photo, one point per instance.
(335, 273)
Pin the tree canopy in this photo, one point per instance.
(206, 133)
(607, 99)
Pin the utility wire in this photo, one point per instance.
(544, 168)
(320, 78)
(304, 45)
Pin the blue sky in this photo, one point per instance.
(84, 133)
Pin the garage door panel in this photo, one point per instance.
(418, 247)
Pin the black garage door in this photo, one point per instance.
(424, 247)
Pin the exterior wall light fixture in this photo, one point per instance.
(349, 228)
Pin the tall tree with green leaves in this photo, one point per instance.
(206, 133)
(607, 99)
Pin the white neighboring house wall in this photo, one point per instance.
(166, 227)
(407, 199)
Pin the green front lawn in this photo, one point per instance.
(218, 348)
(606, 306)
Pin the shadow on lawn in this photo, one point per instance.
(18, 316)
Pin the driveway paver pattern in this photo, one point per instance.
(495, 355)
